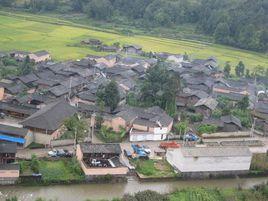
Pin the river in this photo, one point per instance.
(81, 192)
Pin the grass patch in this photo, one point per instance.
(259, 163)
(35, 32)
(206, 194)
(56, 171)
(154, 168)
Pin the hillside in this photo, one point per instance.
(62, 38)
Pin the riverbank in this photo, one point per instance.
(81, 192)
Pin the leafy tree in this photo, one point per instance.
(159, 88)
(227, 69)
(243, 104)
(6, 3)
(109, 94)
(186, 57)
(26, 67)
(181, 127)
(206, 128)
(222, 32)
(99, 9)
(240, 69)
(247, 73)
(76, 126)
(35, 164)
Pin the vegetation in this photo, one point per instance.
(154, 168)
(35, 32)
(258, 193)
(76, 127)
(159, 88)
(181, 127)
(109, 95)
(259, 163)
(108, 135)
(56, 171)
(240, 23)
(206, 128)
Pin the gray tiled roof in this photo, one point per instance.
(8, 147)
(50, 117)
(11, 130)
(113, 148)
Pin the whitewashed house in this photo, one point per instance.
(210, 161)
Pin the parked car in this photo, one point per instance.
(127, 153)
(191, 137)
(52, 153)
(146, 149)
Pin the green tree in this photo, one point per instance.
(222, 32)
(227, 69)
(99, 9)
(181, 127)
(240, 69)
(247, 73)
(206, 128)
(109, 94)
(26, 67)
(243, 104)
(76, 126)
(35, 164)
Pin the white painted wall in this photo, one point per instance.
(147, 137)
(206, 164)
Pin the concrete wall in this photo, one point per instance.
(37, 59)
(207, 164)
(8, 177)
(98, 171)
(2, 92)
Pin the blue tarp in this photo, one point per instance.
(12, 139)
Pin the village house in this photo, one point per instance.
(19, 55)
(149, 124)
(91, 41)
(132, 49)
(109, 60)
(206, 106)
(176, 58)
(260, 114)
(228, 123)
(202, 162)
(9, 170)
(190, 97)
(16, 111)
(23, 137)
(108, 48)
(40, 56)
(46, 124)
(100, 160)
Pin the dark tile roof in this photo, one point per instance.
(209, 102)
(138, 47)
(231, 119)
(16, 88)
(9, 166)
(59, 90)
(87, 95)
(11, 130)
(28, 78)
(112, 148)
(41, 53)
(50, 117)
(8, 147)
(17, 108)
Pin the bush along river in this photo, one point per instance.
(81, 192)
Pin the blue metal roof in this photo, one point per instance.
(12, 139)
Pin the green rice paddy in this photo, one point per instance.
(62, 39)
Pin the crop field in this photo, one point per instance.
(62, 40)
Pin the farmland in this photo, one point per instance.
(62, 39)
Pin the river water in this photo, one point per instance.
(81, 192)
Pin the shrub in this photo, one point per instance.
(150, 196)
(196, 117)
(206, 128)
(34, 164)
(181, 128)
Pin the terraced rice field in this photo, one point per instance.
(62, 39)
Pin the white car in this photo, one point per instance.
(52, 153)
